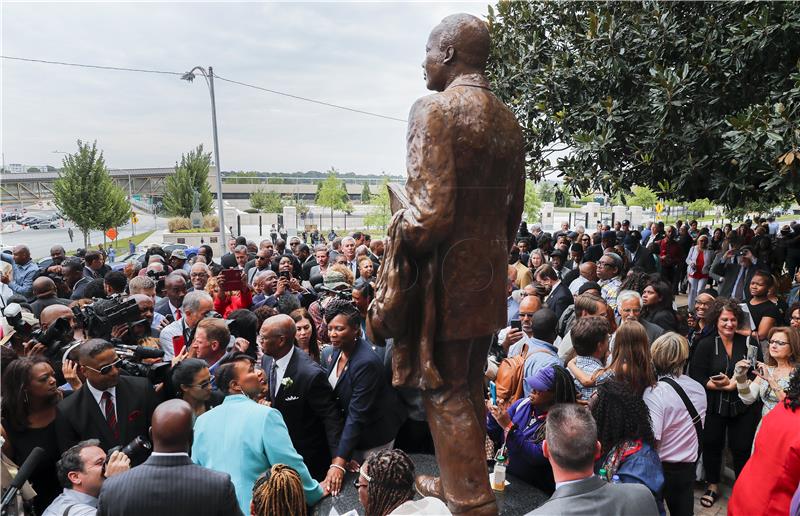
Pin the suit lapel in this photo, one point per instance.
(291, 369)
(123, 409)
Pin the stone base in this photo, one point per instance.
(518, 498)
(192, 239)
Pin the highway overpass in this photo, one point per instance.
(148, 183)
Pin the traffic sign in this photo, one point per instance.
(134, 217)
(659, 207)
(111, 234)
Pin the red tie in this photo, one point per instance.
(177, 314)
(111, 416)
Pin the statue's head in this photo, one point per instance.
(458, 45)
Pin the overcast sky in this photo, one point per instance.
(363, 55)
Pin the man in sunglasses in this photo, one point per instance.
(111, 408)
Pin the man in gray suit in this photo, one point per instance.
(571, 446)
(168, 483)
(629, 306)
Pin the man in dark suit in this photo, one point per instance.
(737, 269)
(640, 256)
(559, 297)
(112, 408)
(174, 290)
(595, 252)
(168, 483)
(299, 389)
(571, 447)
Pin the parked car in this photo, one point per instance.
(45, 224)
(30, 220)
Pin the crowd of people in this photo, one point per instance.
(251, 384)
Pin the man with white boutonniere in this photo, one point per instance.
(298, 388)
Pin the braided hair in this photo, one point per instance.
(338, 306)
(563, 392)
(279, 492)
(792, 399)
(391, 481)
(621, 415)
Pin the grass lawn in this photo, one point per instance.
(120, 245)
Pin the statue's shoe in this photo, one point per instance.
(427, 485)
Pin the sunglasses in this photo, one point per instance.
(106, 368)
(206, 383)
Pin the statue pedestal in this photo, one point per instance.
(518, 498)
(197, 219)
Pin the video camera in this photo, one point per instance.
(100, 317)
(131, 362)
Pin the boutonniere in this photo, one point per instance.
(286, 382)
(133, 416)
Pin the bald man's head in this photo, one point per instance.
(53, 312)
(171, 427)
(44, 287)
(588, 270)
(277, 335)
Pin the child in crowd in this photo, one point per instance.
(590, 341)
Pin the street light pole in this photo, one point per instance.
(209, 77)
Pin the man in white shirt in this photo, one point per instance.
(196, 306)
(675, 431)
(81, 471)
(349, 252)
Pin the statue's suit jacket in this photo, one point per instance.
(466, 188)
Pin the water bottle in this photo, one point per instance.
(615, 480)
(499, 474)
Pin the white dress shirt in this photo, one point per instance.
(282, 364)
(98, 397)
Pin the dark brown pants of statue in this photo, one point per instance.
(459, 406)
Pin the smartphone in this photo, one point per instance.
(285, 274)
(178, 343)
(233, 279)
(516, 324)
(493, 393)
(752, 356)
(718, 377)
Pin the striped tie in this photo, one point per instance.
(111, 415)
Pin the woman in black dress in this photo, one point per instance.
(30, 396)
(712, 366)
(657, 298)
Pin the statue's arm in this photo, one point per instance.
(432, 177)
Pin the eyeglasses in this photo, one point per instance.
(204, 384)
(198, 275)
(778, 343)
(604, 264)
(261, 257)
(106, 368)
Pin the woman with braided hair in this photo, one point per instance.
(626, 438)
(370, 408)
(522, 425)
(278, 493)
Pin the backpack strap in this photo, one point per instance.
(696, 420)
(66, 511)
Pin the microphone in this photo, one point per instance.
(25, 471)
(145, 352)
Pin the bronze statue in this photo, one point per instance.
(442, 289)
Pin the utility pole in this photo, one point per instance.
(209, 77)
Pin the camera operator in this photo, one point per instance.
(66, 370)
(125, 402)
(82, 470)
(736, 269)
(137, 332)
(44, 288)
(157, 272)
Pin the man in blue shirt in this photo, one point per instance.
(23, 269)
(541, 352)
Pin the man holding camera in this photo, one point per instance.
(82, 470)
(737, 268)
(196, 305)
(111, 408)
